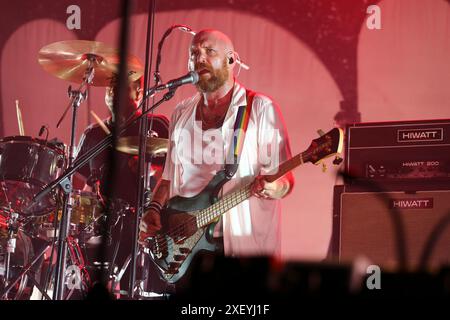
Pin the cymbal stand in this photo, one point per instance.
(77, 97)
(25, 270)
(10, 246)
(142, 263)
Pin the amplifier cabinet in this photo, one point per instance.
(398, 153)
(363, 226)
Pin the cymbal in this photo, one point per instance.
(68, 60)
(155, 146)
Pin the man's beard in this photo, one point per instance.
(217, 79)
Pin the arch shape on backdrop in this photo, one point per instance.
(281, 67)
(318, 25)
(404, 68)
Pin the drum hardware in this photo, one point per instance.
(13, 227)
(41, 131)
(87, 209)
(77, 96)
(17, 230)
(24, 273)
(77, 276)
(142, 259)
(77, 259)
(79, 280)
(117, 276)
(113, 269)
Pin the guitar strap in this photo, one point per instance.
(240, 129)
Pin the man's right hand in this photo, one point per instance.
(150, 224)
(151, 220)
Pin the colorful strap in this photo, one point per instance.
(240, 129)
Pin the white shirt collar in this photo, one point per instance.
(239, 97)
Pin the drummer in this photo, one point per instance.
(95, 172)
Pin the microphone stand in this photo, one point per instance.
(142, 193)
(77, 97)
(133, 255)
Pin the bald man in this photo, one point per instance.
(201, 132)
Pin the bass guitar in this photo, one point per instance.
(188, 223)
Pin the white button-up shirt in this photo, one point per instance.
(253, 226)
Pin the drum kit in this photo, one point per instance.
(28, 165)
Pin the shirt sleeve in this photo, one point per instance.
(160, 125)
(169, 163)
(273, 140)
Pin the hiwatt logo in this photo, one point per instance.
(420, 203)
(412, 135)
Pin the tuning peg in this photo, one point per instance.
(320, 132)
(324, 167)
(337, 160)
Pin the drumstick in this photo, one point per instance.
(19, 119)
(100, 122)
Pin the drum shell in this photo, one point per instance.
(27, 165)
(30, 160)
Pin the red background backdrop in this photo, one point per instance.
(314, 57)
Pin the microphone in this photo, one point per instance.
(184, 28)
(191, 77)
(41, 131)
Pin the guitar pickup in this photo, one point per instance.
(173, 267)
(184, 250)
(179, 257)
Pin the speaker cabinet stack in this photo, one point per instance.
(395, 203)
(365, 222)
